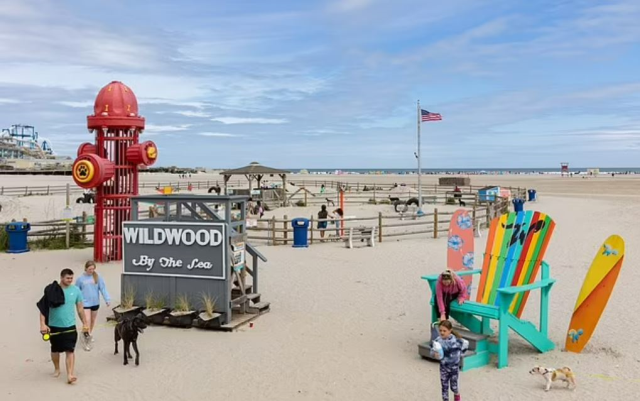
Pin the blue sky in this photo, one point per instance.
(311, 84)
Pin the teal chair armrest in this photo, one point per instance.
(523, 288)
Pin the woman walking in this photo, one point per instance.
(92, 285)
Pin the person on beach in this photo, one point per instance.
(259, 209)
(59, 322)
(322, 189)
(337, 215)
(448, 288)
(322, 214)
(92, 285)
(452, 349)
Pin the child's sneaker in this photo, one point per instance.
(456, 397)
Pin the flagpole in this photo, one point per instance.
(419, 165)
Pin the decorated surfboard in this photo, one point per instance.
(460, 244)
(595, 293)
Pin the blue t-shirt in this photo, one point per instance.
(65, 315)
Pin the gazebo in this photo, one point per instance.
(256, 171)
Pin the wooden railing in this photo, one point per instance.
(275, 231)
(366, 190)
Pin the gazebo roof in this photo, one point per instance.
(254, 168)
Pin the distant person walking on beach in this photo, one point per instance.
(322, 214)
(92, 285)
(57, 308)
(322, 189)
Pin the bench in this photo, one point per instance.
(361, 233)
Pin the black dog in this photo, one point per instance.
(127, 330)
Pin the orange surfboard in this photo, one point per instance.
(595, 292)
(460, 244)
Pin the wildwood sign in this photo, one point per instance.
(197, 250)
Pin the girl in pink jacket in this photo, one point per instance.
(448, 288)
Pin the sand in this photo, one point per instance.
(344, 324)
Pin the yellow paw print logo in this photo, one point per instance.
(83, 171)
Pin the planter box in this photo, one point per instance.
(181, 319)
(120, 312)
(156, 316)
(205, 321)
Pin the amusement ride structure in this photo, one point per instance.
(110, 164)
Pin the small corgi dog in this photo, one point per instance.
(565, 375)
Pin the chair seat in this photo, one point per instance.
(475, 308)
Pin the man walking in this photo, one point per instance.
(60, 323)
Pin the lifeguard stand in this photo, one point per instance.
(564, 169)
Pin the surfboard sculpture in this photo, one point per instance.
(460, 244)
(595, 293)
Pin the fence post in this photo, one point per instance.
(2, 191)
(357, 187)
(305, 197)
(488, 222)
(68, 225)
(26, 191)
(273, 230)
(374, 194)
(435, 223)
(84, 227)
(311, 230)
(284, 225)
(473, 220)
(379, 226)
(47, 189)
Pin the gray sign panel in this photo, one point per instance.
(175, 249)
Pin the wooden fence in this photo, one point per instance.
(371, 189)
(275, 231)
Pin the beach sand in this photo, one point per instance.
(345, 324)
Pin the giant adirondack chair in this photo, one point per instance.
(516, 245)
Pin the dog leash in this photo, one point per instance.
(47, 336)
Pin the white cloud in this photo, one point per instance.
(11, 101)
(249, 120)
(150, 128)
(189, 113)
(350, 5)
(218, 134)
(77, 105)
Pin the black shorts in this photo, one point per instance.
(93, 308)
(65, 341)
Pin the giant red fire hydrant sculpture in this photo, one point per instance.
(111, 165)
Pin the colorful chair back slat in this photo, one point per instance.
(516, 246)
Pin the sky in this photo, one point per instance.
(335, 83)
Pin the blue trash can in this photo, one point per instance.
(300, 229)
(532, 195)
(518, 205)
(17, 233)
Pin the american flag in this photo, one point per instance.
(428, 116)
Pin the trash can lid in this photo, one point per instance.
(18, 226)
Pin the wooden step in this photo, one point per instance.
(259, 307)
(240, 300)
(255, 297)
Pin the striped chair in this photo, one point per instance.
(516, 245)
